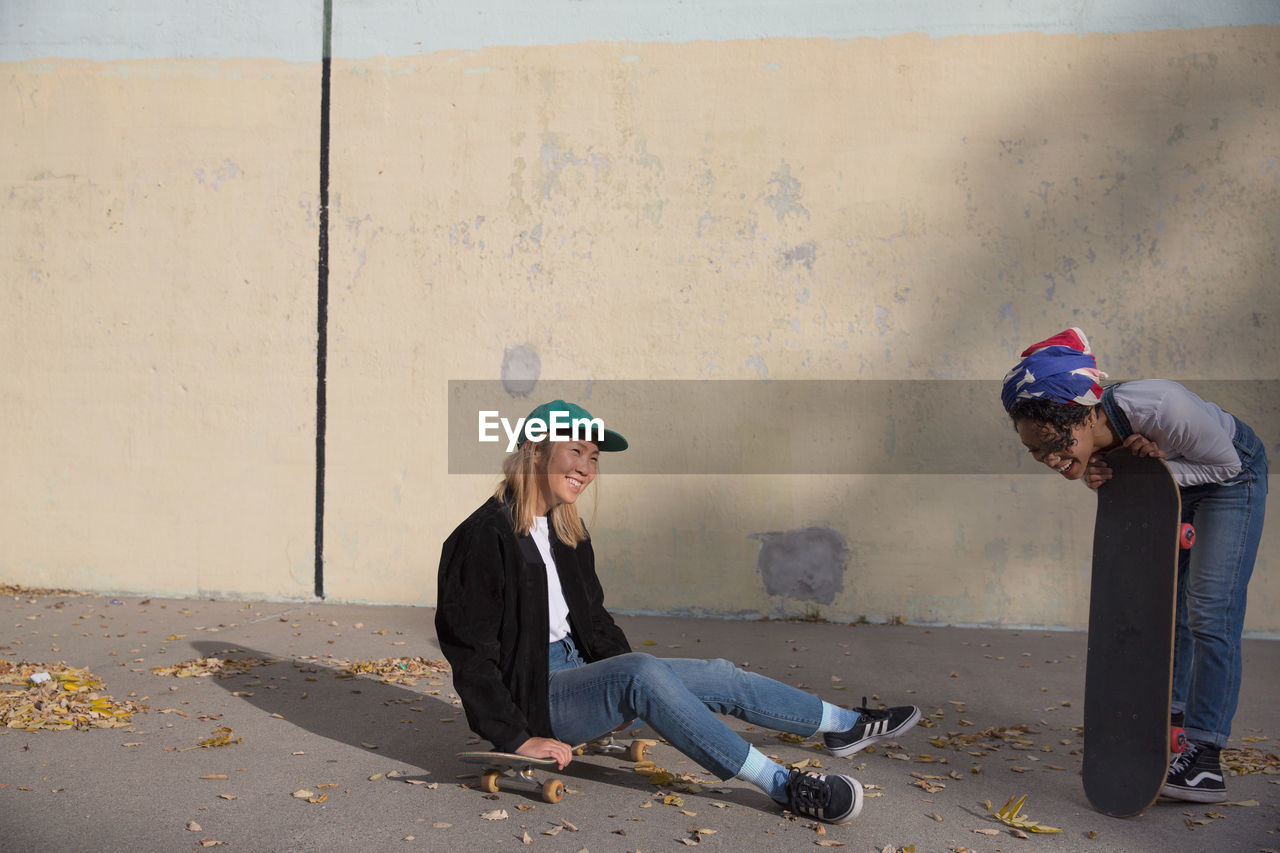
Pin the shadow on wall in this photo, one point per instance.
(1136, 228)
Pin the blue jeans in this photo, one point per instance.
(1213, 581)
(679, 698)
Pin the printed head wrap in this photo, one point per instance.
(1061, 368)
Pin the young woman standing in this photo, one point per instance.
(1068, 421)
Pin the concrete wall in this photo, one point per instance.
(595, 192)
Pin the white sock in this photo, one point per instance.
(768, 776)
(837, 719)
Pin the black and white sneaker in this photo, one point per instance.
(834, 799)
(873, 726)
(1195, 775)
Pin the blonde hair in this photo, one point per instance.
(520, 486)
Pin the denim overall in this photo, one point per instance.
(1213, 581)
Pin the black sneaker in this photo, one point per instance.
(873, 726)
(1195, 775)
(835, 799)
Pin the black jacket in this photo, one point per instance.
(492, 623)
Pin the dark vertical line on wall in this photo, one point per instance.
(322, 292)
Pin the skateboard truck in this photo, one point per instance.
(552, 790)
(637, 751)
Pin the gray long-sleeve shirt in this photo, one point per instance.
(1195, 435)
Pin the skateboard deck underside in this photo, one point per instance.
(1129, 671)
(503, 759)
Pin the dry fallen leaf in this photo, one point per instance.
(205, 667)
(192, 826)
(1010, 815)
(495, 814)
(60, 698)
(397, 670)
(301, 793)
(220, 737)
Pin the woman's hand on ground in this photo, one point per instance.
(545, 747)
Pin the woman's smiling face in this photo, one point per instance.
(1069, 459)
(568, 468)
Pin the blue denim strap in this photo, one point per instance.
(1119, 420)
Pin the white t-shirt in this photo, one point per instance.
(557, 608)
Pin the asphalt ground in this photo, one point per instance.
(1002, 716)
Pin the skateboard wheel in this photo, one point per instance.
(1177, 740)
(553, 790)
(637, 751)
(489, 781)
(1186, 536)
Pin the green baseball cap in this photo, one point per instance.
(569, 422)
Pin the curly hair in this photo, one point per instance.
(1058, 418)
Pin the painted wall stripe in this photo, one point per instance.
(322, 292)
(290, 29)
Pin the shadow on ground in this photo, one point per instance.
(417, 725)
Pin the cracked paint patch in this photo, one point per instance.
(786, 195)
(216, 177)
(802, 255)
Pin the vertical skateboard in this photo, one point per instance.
(1129, 669)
